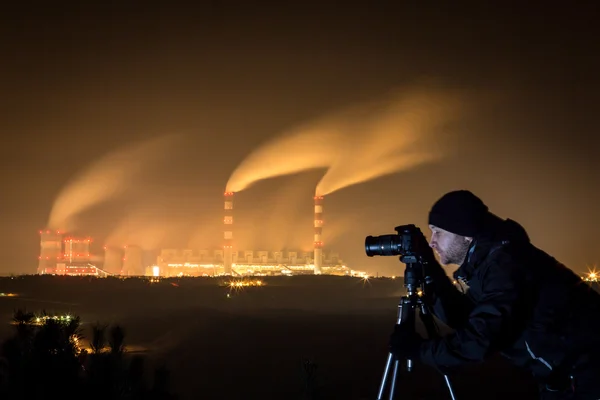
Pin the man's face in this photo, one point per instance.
(451, 248)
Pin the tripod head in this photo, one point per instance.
(413, 274)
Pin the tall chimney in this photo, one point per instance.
(318, 244)
(228, 234)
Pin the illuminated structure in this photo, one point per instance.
(79, 269)
(133, 261)
(318, 241)
(191, 262)
(60, 255)
(153, 271)
(228, 233)
(77, 250)
(51, 250)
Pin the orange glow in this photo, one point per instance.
(106, 179)
(593, 275)
(358, 144)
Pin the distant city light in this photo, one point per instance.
(245, 283)
(592, 275)
(40, 320)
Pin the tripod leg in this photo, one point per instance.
(390, 361)
(432, 332)
(388, 364)
(394, 376)
(406, 315)
(449, 385)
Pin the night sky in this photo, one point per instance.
(83, 86)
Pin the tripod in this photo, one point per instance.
(413, 280)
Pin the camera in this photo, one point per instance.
(401, 244)
(408, 244)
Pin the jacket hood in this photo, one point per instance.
(498, 233)
(512, 231)
(498, 229)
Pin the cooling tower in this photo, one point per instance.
(228, 233)
(318, 243)
(113, 260)
(133, 261)
(50, 251)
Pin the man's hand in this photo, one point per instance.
(405, 343)
(423, 249)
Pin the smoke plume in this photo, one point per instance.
(104, 180)
(359, 144)
(145, 227)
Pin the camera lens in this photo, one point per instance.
(384, 245)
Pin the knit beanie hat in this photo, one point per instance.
(459, 212)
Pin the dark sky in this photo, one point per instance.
(81, 81)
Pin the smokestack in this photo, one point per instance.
(318, 245)
(228, 234)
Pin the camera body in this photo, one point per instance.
(406, 244)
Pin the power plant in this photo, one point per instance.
(62, 254)
(68, 255)
(65, 255)
(190, 262)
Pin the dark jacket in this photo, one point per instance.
(520, 302)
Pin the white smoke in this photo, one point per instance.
(359, 144)
(105, 179)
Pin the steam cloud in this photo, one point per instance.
(144, 228)
(358, 145)
(104, 180)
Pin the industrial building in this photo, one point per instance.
(172, 262)
(191, 262)
(61, 254)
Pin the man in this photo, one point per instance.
(520, 302)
